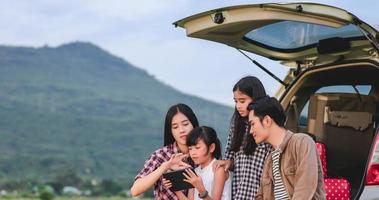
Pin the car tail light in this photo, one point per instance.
(372, 177)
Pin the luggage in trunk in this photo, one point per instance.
(344, 123)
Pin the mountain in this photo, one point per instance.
(78, 107)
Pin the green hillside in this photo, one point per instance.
(80, 108)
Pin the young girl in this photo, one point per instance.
(204, 149)
(180, 120)
(242, 154)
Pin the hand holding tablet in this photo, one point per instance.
(176, 178)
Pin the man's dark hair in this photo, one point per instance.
(269, 106)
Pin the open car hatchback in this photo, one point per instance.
(332, 87)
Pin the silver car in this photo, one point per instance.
(332, 87)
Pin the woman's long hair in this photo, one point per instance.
(172, 111)
(252, 87)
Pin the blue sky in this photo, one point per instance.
(141, 32)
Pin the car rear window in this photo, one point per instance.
(293, 35)
(362, 89)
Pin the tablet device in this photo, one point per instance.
(177, 180)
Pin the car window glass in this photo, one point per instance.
(375, 158)
(362, 89)
(292, 35)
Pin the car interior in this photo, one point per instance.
(339, 106)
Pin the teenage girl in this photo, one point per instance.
(242, 155)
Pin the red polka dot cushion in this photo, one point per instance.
(337, 189)
(322, 153)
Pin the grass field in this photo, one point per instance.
(76, 198)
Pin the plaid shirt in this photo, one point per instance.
(156, 159)
(247, 168)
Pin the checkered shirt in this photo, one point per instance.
(156, 159)
(247, 168)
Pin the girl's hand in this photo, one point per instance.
(226, 164)
(193, 179)
(166, 183)
(176, 162)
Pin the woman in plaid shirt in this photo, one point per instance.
(180, 120)
(242, 154)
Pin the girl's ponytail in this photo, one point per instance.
(217, 152)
